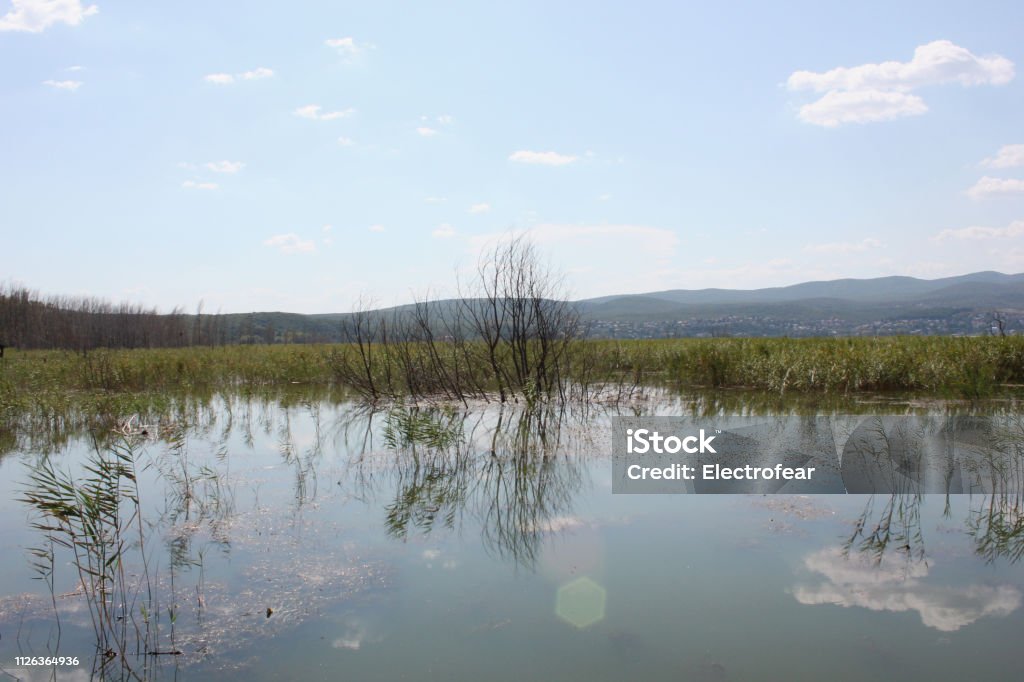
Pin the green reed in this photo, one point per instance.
(117, 381)
(95, 516)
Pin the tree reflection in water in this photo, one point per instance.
(997, 523)
(883, 564)
(980, 457)
(511, 470)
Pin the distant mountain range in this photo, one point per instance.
(875, 290)
(976, 303)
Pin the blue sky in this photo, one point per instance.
(301, 156)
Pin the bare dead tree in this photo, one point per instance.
(998, 324)
(30, 320)
(519, 309)
(362, 331)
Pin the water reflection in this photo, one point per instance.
(934, 454)
(511, 470)
(896, 525)
(896, 585)
(997, 527)
(983, 455)
(264, 513)
(356, 631)
(883, 565)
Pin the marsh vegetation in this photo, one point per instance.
(193, 507)
(509, 336)
(958, 368)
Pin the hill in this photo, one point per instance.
(974, 303)
(966, 304)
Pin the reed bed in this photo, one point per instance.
(935, 366)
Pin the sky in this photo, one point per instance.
(306, 156)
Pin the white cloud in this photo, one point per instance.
(256, 74)
(228, 167)
(346, 46)
(935, 63)
(219, 78)
(994, 187)
(76, 67)
(376, 228)
(290, 243)
(345, 141)
(70, 86)
(880, 92)
(861, 106)
(333, 115)
(543, 158)
(1008, 156)
(844, 247)
(604, 197)
(35, 16)
(976, 232)
(445, 119)
(444, 231)
(435, 200)
(482, 207)
(348, 49)
(327, 228)
(426, 132)
(315, 112)
(896, 586)
(193, 184)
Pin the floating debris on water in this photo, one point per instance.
(800, 506)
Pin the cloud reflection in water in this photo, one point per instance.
(892, 585)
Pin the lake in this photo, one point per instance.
(305, 537)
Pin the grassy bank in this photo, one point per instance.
(932, 365)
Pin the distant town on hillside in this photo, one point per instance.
(981, 303)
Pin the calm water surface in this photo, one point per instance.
(327, 541)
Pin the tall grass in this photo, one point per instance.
(963, 367)
(93, 517)
(939, 366)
